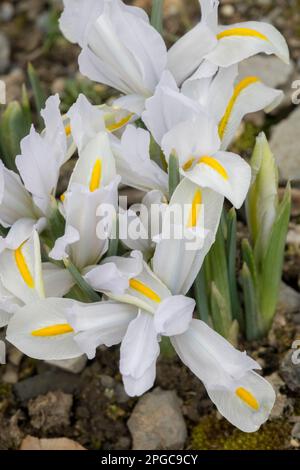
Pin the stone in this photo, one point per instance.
(227, 11)
(75, 365)
(43, 383)
(290, 372)
(293, 235)
(107, 381)
(10, 375)
(289, 299)
(14, 81)
(285, 146)
(296, 431)
(157, 422)
(120, 394)
(283, 405)
(271, 70)
(50, 412)
(4, 53)
(6, 11)
(61, 443)
(14, 356)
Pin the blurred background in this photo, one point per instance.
(79, 404)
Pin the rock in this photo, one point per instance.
(14, 356)
(120, 394)
(14, 82)
(157, 422)
(11, 435)
(10, 375)
(289, 299)
(6, 11)
(61, 443)
(227, 11)
(295, 200)
(285, 146)
(283, 404)
(4, 53)
(51, 411)
(43, 383)
(271, 70)
(296, 431)
(296, 319)
(293, 235)
(75, 365)
(107, 381)
(290, 373)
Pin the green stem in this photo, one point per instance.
(174, 175)
(200, 294)
(81, 283)
(157, 15)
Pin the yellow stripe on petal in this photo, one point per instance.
(194, 213)
(188, 164)
(117, 125)
(144, 290)
(240, 87)
(68, 130)
(62, 197)
(215, 165)
(96, 176)
(247, 398)
(54, 330)
(244, 32)
(23, 268)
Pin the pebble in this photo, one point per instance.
(285, 146)
(6, 11)
(227, 11)
(283, 404)
(14, 356)
(296, 431)
(157, 422)
(289, 299)
(61, 443)
(75, 365)
(290, 373)
(43, 383)
(51, 411)
(107, 381)
(120, 394)
(10, 375)
(293, 235)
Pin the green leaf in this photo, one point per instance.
(201, 297)
(56, 221)
(86, 289)
(174, 175)
(262, 200)
(217, 260)
(157, 15)
(231, 244)
(253, 326)
(114, 242)
(219, 311)
(248, 258)
(273, 261)
(3, 231)
(14, 127)
(38, 92)
(166, 348)
(25, 103)
(157, 155)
